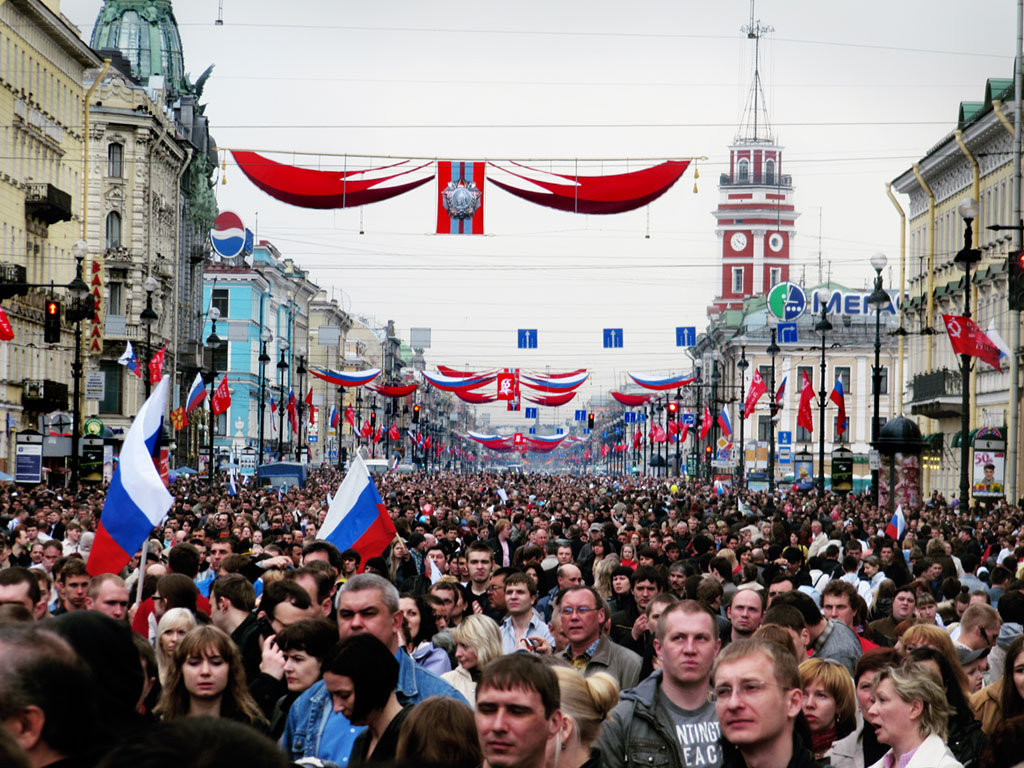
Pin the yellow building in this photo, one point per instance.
(42, 63)
(974, 161)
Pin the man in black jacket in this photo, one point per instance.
(630, 624)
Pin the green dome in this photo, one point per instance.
(146, 33)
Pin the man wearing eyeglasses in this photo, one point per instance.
(669, 719)
(757, 698)
(582, 614)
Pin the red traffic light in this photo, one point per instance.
(52, 308)
(707, 449)
(673, 408)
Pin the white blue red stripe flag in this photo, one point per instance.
(897, 526)
(232, 488)
(196, 394)
(357, 518)
(137, 501)
(129, 360)
(724, 423)
(334, 417)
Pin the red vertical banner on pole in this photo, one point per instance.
(460, 198)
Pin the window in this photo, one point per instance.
(219, 300)
(115, 154)
(115, 304)
(883, 381)
(836, 437)
(221, 427)
(743, 171)
(111, 402)
(763, 424)
(220, 359)
(737, 279)
(113, 230)
(774, 276)
(766, 374)
(842, 373)
(769, 172)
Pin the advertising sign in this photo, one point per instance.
(989, 474)
(28, 457)
(803, 471)
(842, 470)
(92, 459)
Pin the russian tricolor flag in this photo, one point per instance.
(137, 501)
(356, 518)
(334, 417)
(129, 359)
(196, 395)
(897, 526)
(724, 423)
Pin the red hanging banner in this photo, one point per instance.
(460, 198)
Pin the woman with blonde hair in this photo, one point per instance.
(208, 680)
(171, 628)
(936, 638)
(603, 575)
(830, 703)
(477, 642)
(586, 703)
(909, 712)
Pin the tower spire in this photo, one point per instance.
(754, 125)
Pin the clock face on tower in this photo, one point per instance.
(775, 242)
(738, 241)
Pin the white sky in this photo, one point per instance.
(857, 92)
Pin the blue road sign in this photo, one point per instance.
(533, 430)
(785, 455)
(689, 418)
(527, 338)
(785, 438)
(558, 431)
(788, 333)
(586, 430)
(604, 435)
(686, 336)
(630, 417)
(580, 416)
(641, 417)
(612, 338)
(531, 413)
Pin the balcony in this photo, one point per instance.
(47, 203)
(44, 396)
(779, 181)
(936, 394)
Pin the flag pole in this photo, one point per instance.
(142, 571)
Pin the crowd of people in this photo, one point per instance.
(515, 621)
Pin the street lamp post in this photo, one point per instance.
(265, 338)
(967, 257)
(212, 344)
(359, 415)
(148, 318)
(679, 411)
(877, 301)
(698, 366)
(300, 446)
(282, 367)
(823, 326)
(81, 297)
(340, 429)
(773, 351)
(716, 378)
(742, 366)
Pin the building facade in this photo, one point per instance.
(42, 110)
(974, 161)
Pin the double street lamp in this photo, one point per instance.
(773, 352)
(265, 338)
(822, 326)
(282, 367)
(212, 345)
(878, 300)
(148, 318)
(967, 257)
(82, 309)
(300, 405)
(742, 366)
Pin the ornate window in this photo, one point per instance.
(115, 161)
(113, 230)
(743, 171)
(769, 172)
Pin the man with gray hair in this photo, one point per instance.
(367, 604)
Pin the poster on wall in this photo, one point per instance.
(988, 476)
(904, 469)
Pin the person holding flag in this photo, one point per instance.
(137, 500)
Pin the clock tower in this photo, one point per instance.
(755, 217)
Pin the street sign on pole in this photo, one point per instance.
(686, 336)
(527, 338)
(612, 338)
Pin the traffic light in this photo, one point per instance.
(590, 421)
(373, 418)
(416, 414)
(673, 410)
(51, 324)
(707, 451)
(1015, 280)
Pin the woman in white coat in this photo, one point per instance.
(477, 641)
(909, 712)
